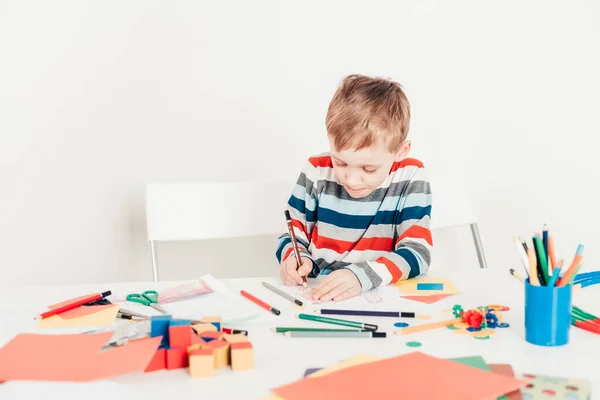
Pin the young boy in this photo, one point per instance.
(361, 212)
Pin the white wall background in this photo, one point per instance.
(99, 97)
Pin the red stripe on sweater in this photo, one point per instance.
(392, 267)
(287, 253)
(341, 246)
(407, 162)
(296, 223)
(416, 232)
(321, 161)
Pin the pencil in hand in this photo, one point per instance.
(290, 227)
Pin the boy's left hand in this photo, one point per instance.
(338, 285)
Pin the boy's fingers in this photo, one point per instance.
(343, 296)
(292, 272)
(306, 267)
(336, 291)
(328, 284)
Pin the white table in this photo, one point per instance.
(280, 359)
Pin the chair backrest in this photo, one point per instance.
(199, 211)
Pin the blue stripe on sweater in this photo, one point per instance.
(412, 261)
(300, 205)
(282, 245)
(416, 212)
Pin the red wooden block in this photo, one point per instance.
(180, 336)
(197, 339)
(158, 362)
(208, 336)
(177, 358)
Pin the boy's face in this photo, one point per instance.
(362, 171)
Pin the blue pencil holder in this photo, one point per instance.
(547, 314)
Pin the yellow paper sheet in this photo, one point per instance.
(100, 318)
(409, 286)
(351, 362)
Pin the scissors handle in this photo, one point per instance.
(151, 295)
(138, 298)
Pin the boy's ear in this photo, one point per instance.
(403, 151)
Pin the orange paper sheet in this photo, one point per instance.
(506, 370)
(75, 358)
(378, 380)
(427, 299)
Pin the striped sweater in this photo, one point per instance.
(381, 238)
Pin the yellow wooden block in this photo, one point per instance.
(242, 356)
(235, 338)
(211, 319)
(202, 363)
(204, 327)
(221, 352)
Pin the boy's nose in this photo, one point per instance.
(353, 179)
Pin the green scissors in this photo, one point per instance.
(148, 298)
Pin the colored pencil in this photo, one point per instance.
(555, 273)
(545, 243)
(366, 313)
(542, 263)
(367, 334)
(533, 272)
(519, 277)
(574, 273)
(551, 253)
(75, 304)
(427, 327)
(282, 293)
(570, 272)
(522, 253)
(335, 321)
(259, 302)
(290, 227)
(282, 329)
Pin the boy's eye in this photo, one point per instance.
(338, 164)
(370, 170)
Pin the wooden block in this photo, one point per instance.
(180, 336)
(216, 321)
(209, 336)
(235, 338)
(158, 362)
(197, 339)
(177, 358)
(195, 347)
(159, 326)
(204, 327)
(202, 362)
(242, 356)
(221, 352)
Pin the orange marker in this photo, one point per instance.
(570, 272)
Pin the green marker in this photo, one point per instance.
(335, 321)
(543, 258)
(280, 329)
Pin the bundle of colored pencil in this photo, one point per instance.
(540, 263)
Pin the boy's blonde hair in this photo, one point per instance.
(363, 109)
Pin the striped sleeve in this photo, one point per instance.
(302, 206)
(411, 256)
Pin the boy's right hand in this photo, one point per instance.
(288, 273)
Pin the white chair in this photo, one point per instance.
(200, 211)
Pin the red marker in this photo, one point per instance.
(259, 302)
(75, 304)
(234, 331)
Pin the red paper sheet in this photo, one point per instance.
(75, 358)
(506, 370)
(427, 299)
(414, 376)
